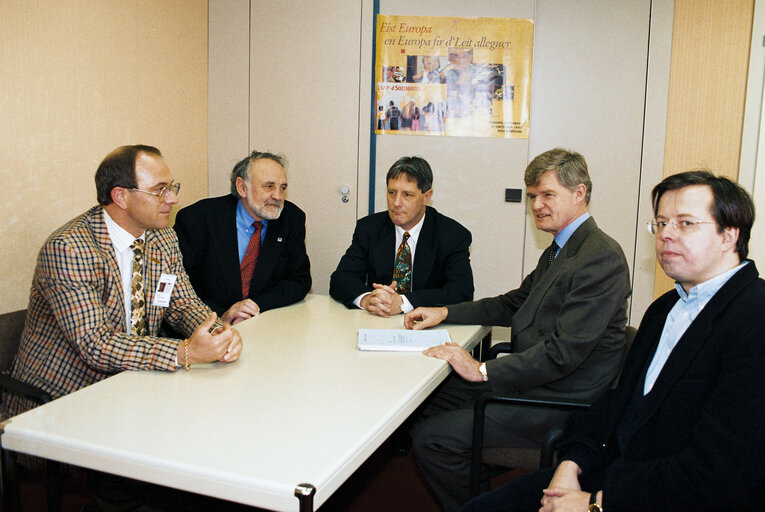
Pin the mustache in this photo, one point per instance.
(272, 203)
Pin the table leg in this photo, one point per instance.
(10, 481)
(481, 351)
(305, 493)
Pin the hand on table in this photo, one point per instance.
(460, 359)
(422, 318)
(240, 311)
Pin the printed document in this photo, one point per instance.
(401, 339)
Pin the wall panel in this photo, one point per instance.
(78, 79)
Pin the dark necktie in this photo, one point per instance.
(137, 300)
(551, 252)
(250, 259)
(402, 268)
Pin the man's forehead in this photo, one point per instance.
(689, 200)
(266, 170)
(547, 182)
(403, 180)
(151, 170)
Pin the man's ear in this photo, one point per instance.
(730, 237)
(119, 196)
(241, 187)
(428, 196)
(581, 191)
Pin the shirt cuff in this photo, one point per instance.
(406, 306)
(357, 302)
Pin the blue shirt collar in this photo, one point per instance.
(703, 292)
(243, 218)
(562, 237)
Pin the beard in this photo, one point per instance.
(271, 210)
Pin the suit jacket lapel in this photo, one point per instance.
(425, 255)
(153, 265)
(114, 297)
(692, 341)
(547, 275)
(384, 250)
(270, 251)
(226, 249)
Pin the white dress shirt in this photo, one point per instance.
(121, 241)
(414, 235)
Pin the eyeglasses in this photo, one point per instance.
(163, 192)
(684, 227)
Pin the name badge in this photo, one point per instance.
(164, 290)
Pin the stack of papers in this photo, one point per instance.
(401, 339)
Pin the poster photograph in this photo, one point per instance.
(467, 77)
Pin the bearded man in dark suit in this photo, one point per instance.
(245, 252)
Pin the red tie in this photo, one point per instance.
(247, 267)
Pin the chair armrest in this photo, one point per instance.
(503, 347)
(29, 391)
(520, 400)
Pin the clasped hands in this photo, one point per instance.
(223, 344)
(564, 493)
(383, 300)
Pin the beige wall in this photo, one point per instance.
(705, 115)
(591, 101)
(78, 79)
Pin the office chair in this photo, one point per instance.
(546, 453)
(11, 325)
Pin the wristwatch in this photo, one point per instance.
(482, 369)
(594, 507)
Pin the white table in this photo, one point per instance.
(302, 405)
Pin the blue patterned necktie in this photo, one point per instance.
(402, 268)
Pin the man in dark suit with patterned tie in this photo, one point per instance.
(568, 323)
(245, 252)
(407, 257)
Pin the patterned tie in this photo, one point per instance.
(250, 259)
(402, 268)
(137, 300)
(551, 252)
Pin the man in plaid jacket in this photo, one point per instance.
(78, 328)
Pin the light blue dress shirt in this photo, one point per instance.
(244, 229)
(562, 237)
(682, 314)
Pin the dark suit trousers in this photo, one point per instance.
(442, 439)
(523, 494)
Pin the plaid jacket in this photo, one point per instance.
(75, 332)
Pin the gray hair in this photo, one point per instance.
(569, 166)
(242, 168)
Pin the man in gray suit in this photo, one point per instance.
(568, 323)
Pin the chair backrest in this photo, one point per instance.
(11, 325)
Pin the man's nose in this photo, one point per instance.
(665, 233)
(171, 197)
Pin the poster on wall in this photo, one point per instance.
(468, 77)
